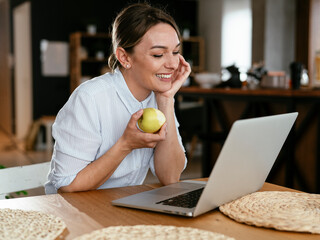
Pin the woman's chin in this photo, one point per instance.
(164, 88)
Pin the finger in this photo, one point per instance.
(183, 62)
(134, 118)
(163, 131)
(184, 69)
(137, 114)
(157, 136)
(186, 66)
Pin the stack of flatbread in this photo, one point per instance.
(158, 232)
(288, 211)
(20, 224)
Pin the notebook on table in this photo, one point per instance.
(245, 160)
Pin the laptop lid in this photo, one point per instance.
(247, 156)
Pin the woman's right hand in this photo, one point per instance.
(133, 138)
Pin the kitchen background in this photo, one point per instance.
(241, 32)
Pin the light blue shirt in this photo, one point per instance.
(89, 124)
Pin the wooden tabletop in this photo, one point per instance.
(84, 212)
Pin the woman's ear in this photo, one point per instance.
(123, 58)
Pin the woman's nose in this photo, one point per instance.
(172, 62)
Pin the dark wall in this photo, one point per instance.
(302, 31)
(54, 20)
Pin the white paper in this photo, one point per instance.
(54, 58)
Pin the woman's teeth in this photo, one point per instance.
(164, 75)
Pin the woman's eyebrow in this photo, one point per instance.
(163, 47)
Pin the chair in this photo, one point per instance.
(23, 178)
(34, 137)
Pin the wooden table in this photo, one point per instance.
(84, 212)
(258, 103)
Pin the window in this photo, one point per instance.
(236, 33)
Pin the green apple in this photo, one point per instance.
(151, 120)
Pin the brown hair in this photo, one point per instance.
(130, 26)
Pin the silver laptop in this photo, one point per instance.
(242, 167)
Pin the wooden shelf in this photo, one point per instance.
(81, 67)
(193, 52)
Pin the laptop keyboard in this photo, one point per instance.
(186, 200)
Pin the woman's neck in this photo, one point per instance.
(137, 91)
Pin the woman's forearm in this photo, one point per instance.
(99, 171)
(169, 158)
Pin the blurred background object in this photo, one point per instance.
(275, 80)
(295, 74)
(234, 80)
(207, 80)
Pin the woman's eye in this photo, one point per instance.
(157, 55)
(176, 53)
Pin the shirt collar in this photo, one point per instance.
(131, 103)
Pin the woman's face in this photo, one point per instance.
(154, 61)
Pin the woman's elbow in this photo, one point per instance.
(66, 189)
(72, 187)
(169, 179)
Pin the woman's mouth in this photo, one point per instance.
(164, 76)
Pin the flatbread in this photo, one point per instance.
(157, 232)
(287, 211)
(20, 224)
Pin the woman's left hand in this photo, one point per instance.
(181, 74)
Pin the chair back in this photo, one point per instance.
(20, 178)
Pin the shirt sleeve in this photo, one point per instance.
(77, 138)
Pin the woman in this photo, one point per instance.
(98, 144)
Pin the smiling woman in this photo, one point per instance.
(98, 143)
(153, 62)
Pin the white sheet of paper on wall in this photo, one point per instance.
(54, 58)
